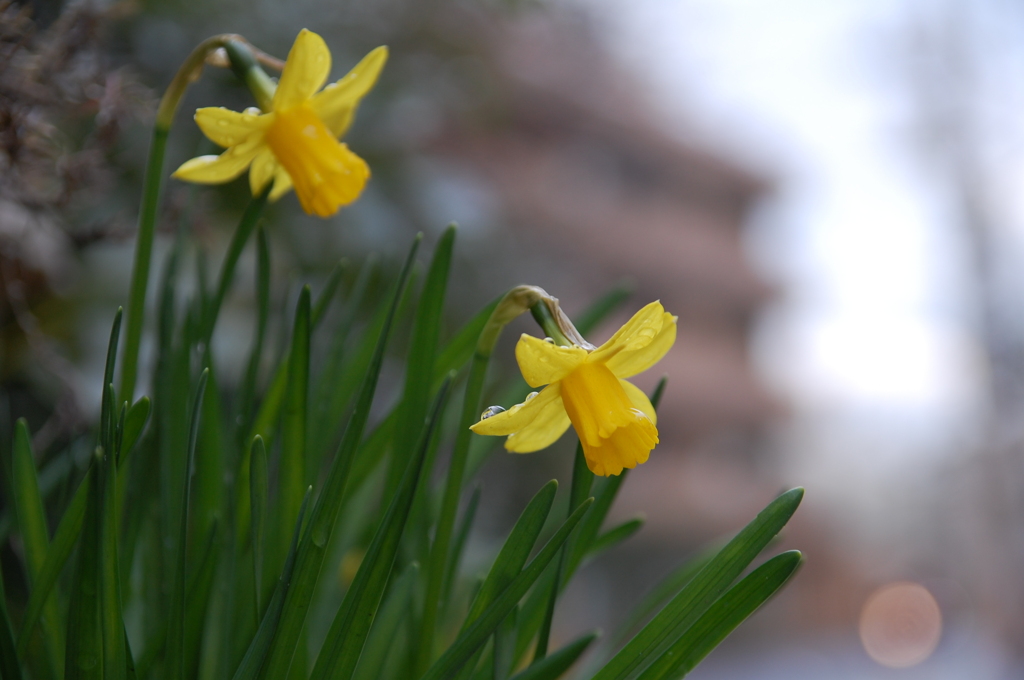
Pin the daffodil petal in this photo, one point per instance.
(227, 128)
(636, 334)
(282, 184)
(550, 424)
(521, 415)
(336, 103)
(543, 363)
(219, 169)
(628, 363)
(305, 71)
(264, 166)
(639, 400)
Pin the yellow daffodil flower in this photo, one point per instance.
(587, 389)
(295, 143)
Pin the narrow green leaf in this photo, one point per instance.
(412, 410)
(327, 403)
(175, 651)
(312, 549)
(10, 667)
(699, 594)
(554, 665)
(323, 300)
(461, 535)
(199, 586)
(503, 647)
(291, 473)
(247, 391)
(516, 550)
(83, 653)
(393, 612)
(723, 617)
(210, 459)
(344, 642)
(115, 659)
(419, 367)
(453, 357)
(35, 536)
(258, 491)
(273, 397)
(170, 400)
(64, 539)
(134, 424)
(459, 350)
(472, 638)
(614, 536)
(130, 673)
(107, 403)
(439, 552)
(259, 646)
(582, 480)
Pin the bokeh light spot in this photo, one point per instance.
(900, 624)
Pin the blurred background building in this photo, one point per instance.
(827, 194)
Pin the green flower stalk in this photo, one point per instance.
(188, 73)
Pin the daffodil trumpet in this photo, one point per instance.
(586, 387)
(293, 141)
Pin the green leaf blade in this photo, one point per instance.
(701, 592)
(258, 492)
(259, 646)
(312, 549)
(344, 643)
(83, 658)
(386, 626)
(175, 649)
(28, 503)
(557, 663)
(471, 639)
(68, 530)
(291, 468)
(723, 617)
(516, 550)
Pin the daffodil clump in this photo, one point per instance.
(587, 388)
(271, 529)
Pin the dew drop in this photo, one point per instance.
(530, 396)
(491, 411)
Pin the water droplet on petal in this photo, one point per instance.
(491, 411)
(530, 396)
(551, 340)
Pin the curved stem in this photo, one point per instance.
(516, 302)
(188, 73)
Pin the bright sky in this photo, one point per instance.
(874, 329)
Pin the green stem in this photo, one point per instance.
(246, 226)
(582, 480)
(515, 302)
(247, 69)
(542, 315)
(150, 202)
